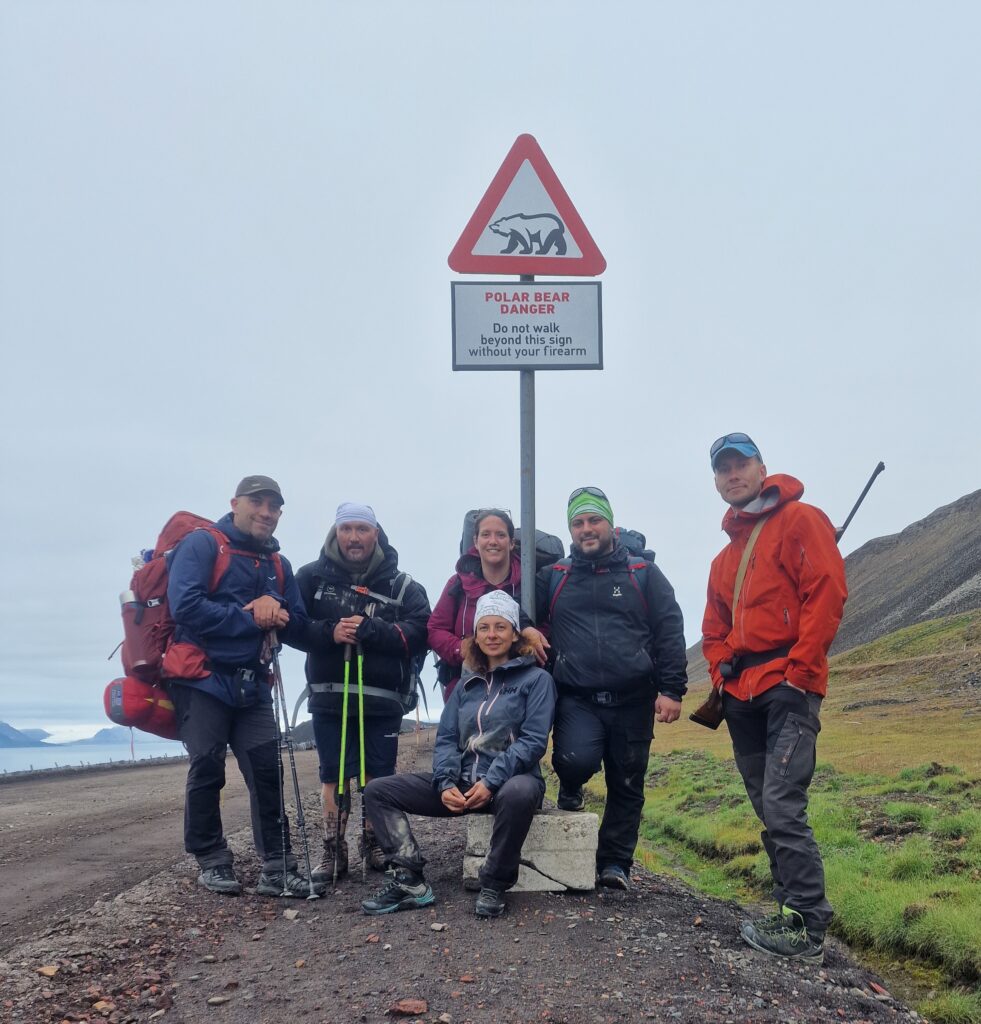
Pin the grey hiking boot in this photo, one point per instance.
(571, 798)
(293, 884)
(771, 923)
(368, 847)
(323, 873)
(613, 877)
(405, 891)
(791, 939)
(221, 878)
(490, 903)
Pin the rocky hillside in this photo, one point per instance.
(930, 569)
(11, 737)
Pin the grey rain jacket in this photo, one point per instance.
(494, 728)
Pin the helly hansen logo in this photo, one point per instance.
(506, 690)
(617, 592)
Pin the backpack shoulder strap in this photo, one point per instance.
(744, 562)
(557, 580)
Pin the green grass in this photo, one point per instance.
(903, 862)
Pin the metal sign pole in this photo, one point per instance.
(527, 404)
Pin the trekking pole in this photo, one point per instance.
(362, 778)
(301, 824)
(340, 768)
(875, 472)
(270, 641)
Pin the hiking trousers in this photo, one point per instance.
(208, 726)
(618, 737)
(774, 739)
(389, 802)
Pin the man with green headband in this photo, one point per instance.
(618, 639)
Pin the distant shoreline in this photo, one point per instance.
(104, 766)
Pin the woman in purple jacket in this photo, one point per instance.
(491, 563)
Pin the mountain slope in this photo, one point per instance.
(11, 737)
(930, 569)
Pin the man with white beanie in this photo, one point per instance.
(368, 617)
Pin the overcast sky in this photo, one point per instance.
(223, 240)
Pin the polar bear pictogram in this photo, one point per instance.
(525, 230)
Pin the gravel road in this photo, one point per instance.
(105, 922)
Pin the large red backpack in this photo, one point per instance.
(137, 700)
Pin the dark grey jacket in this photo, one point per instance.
(494, 728)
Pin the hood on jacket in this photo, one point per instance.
(328, 564)
(242, 540)
(777, 490)
(472, 577)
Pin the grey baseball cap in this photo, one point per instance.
(258, 484)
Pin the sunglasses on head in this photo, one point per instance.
(481, 512)
(729, 439)
(594, 491)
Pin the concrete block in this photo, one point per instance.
(559, 853)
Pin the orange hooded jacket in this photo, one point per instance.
(793, 593)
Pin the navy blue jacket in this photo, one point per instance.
(215, 620)
(494, 728)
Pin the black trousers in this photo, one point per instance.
(587, 735)
(774, 737)
(208, 726)
(389, 802)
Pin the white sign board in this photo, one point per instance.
(534, 325)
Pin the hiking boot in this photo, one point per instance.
(323, 873)
(405, 891)
(490, 903)
(221, 878)
(369, 849)
(790, 939)
(772, 923)
(293, 884)
(614, 877)
(571, 798)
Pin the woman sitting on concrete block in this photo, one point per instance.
(492, 734)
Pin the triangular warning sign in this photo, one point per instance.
(526, 223)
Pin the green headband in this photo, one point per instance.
(586, 502)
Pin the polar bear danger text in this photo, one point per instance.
(527, 303)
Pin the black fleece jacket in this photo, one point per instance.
(389, 639)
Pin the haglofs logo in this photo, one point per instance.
(617, 592)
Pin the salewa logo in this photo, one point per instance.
(616, 592)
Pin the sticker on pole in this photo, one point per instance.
(526, 223)
(535, 325)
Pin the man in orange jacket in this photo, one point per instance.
(776, 594)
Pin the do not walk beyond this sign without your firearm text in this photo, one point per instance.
(534, 325)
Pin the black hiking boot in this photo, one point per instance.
(490, 903)
(323, 873)
(790, 940)
(571, 799)
(368, 848)
(221, 878)
(406, 891)
(293, 884)
(613, 877)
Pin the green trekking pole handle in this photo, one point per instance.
(340, 766)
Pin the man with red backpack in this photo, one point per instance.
(216, 670)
